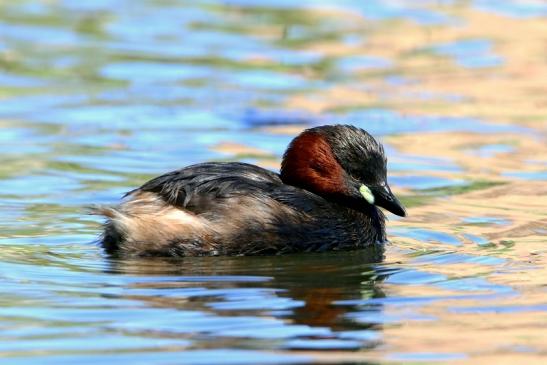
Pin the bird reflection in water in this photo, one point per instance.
(300, 290)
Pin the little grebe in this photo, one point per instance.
(332, 178)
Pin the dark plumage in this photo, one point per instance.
(325, 198)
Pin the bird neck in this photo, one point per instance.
(309, 163)
(371, 224)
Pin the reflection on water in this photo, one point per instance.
(97, 97)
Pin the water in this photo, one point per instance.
(98, 96)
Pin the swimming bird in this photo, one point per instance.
(333, 178)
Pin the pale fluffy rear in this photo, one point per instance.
(144, 219)
(146, 225)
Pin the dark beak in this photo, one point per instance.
(384, 198)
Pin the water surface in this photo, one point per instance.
(97, 97)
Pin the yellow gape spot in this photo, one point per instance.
(367, 194)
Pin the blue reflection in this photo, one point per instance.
(153, 71)
(471, 53)
(528, 175)
(486, 220)
(427, 236)
(354, 64)
(424, 182)
(414, 277)
(514, 8)
(500, 309)
(491, 150)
